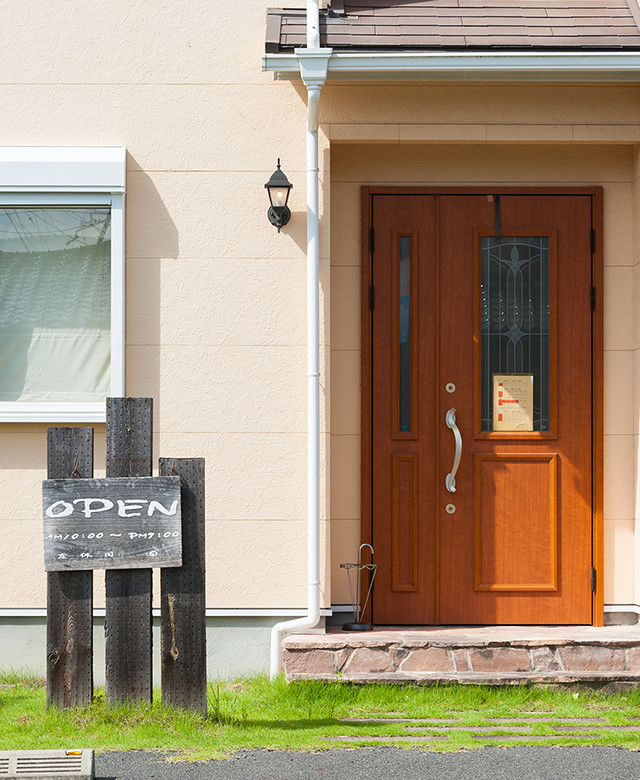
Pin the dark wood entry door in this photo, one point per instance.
(481, 350)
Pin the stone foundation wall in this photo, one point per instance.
(359, 660)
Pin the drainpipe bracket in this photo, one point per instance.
(314, 64)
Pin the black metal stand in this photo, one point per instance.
(358, 610)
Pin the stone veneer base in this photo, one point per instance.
(500, 655)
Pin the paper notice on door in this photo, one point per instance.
(512, 402)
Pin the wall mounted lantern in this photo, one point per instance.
(278, 188)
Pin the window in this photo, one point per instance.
(61, 282)
(515, 312)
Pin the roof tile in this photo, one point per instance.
(443, 24)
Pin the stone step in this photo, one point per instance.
(494, 656)
(613, 681)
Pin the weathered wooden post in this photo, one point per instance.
(128, 620)
(69, 593)
(125, 524)
(183, 641)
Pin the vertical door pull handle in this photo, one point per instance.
(450, 479)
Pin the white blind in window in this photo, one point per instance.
(55, 304)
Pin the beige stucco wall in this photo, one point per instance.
(633, 533)
(491, 134)
(216, 318)
(216, 322)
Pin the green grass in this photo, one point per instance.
(258, 713)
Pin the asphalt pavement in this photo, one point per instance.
(492, 763)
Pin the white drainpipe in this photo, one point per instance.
(313, 68)
(313, 24)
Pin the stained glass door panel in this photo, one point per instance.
(515, 321)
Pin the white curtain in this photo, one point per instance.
(55, 304)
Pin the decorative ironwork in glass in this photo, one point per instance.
(404, 330)
(514, 296)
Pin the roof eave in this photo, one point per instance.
(468, 66)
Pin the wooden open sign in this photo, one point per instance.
(113, 523)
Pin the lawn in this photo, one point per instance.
(257, 712)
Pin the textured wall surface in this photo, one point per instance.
(216, 298)
(216, 328)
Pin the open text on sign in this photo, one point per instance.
(113, 523)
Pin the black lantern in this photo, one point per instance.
(278, 188)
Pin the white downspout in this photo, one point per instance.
(313, 68)
(313, 24)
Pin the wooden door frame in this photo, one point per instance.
(597, 358)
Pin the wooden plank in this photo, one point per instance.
(405, 522)
(128, 638)
(69, 594)
(184, 667)
(515, 556)
(505, 522)
(402, 463)
(115, 523)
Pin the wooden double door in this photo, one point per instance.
(481, 402)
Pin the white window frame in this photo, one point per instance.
(38, 177)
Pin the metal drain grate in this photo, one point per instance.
(46, 764)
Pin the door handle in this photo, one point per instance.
(450, 479)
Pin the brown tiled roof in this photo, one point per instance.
(455, 24)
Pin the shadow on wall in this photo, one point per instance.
(297, 227)
(152, 239)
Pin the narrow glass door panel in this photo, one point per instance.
(514, 312)
(404, 332)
